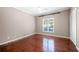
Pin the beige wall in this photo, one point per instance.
(15, 24)
(78, 27)
(61, 24)
(73, 25)
(0, 26)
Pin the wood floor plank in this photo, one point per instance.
(39, 43)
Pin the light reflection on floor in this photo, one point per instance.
(48, 45)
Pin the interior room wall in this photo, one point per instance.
(61, 26)
(73, 21)
(77, 41)
(15, 23)
(0, 25)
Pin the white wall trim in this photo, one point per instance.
(73, 41)
(54, 35)
(16, 39)
(77, 48)
(30, 35)
(75, 45)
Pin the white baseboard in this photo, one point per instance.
(54, 35)
(30, 35)
(16, 39)
(77, 48)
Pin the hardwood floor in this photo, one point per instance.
(39, 43)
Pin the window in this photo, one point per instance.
(48, 25)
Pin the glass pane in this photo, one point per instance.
(51, 26)
(45, 21)
(45, 28)
(50, 29)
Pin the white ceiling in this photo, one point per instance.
(38, 11)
